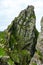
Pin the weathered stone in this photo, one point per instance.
(38, 56)
(23, 36)
(40, 40)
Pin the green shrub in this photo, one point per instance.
(2, 52)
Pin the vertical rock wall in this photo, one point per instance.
(38, 56)
(22, 36)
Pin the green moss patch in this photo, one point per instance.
(2, 52)
(34, 63)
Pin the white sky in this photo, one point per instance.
(9, 9)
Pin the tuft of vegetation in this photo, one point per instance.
(2, 37)
(10, 62)
(2, 52)
(34, 63)
(40, 54)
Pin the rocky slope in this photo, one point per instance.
(21, 38)
(38, 56)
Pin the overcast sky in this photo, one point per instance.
(9, 9)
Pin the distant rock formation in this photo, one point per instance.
(38, 56)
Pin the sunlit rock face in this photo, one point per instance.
(38, 56)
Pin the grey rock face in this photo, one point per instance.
(39, 45)
(22, 33)
(23, 29)
(38, 56)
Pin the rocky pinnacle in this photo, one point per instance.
(38, 56)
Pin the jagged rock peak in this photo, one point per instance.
(29, 9)
(22, 35)
(31, 6)
(25, 15)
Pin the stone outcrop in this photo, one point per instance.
(21, 38)
(38, 56)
